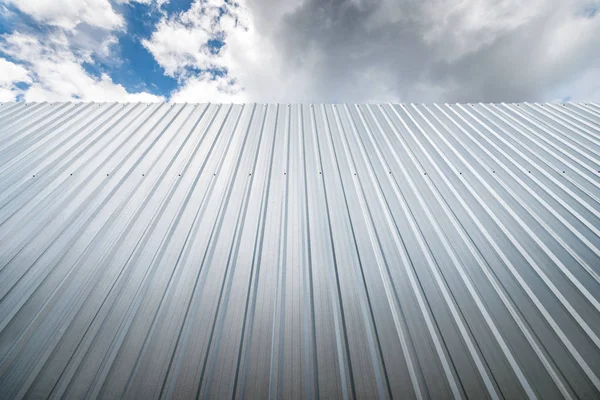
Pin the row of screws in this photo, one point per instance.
(320, 173)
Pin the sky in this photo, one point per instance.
(292, 51)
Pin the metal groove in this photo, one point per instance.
(299, 251)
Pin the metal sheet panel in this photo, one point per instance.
(299, 251)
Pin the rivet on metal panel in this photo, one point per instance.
(529, 171)
(143, 175)
(214, 174)
(319, 172)
(563, 172)
(461, 173)
(106, 174)
(34, 176)
(179, 174)
(425, 173)
(390, 172)
(250, 174)
(71, 175)
(354, 174)
(493, 172)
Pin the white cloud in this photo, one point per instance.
(176, 47)
(77, 32)
(56, 73)
(561, 50)
(141, 1)
(181, 42)
(180, 45)
(465, 26)
(323, 51)
(207, 89)
(380, 50)
(585, 87)
(11, 74)
(7, 95)
(68, 14)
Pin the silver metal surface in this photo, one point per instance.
(299, 251)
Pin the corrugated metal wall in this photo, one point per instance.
(332, 251)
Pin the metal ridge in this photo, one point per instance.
(300, 250)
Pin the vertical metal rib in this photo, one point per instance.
(302, 251)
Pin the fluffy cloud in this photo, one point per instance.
(584, 87)
(49, 61)
(55, 73)
(10, 75)
(463, 27)
(317, 50)
(208, 88)
(380, 50)
(176, 47)
(68, 13)
(181, 44)
(184, 46)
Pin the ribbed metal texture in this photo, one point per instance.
(303, 251)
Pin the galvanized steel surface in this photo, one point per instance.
(332, 251)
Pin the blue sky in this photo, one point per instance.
(138, 68)
(300, 50)
(130, 64)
